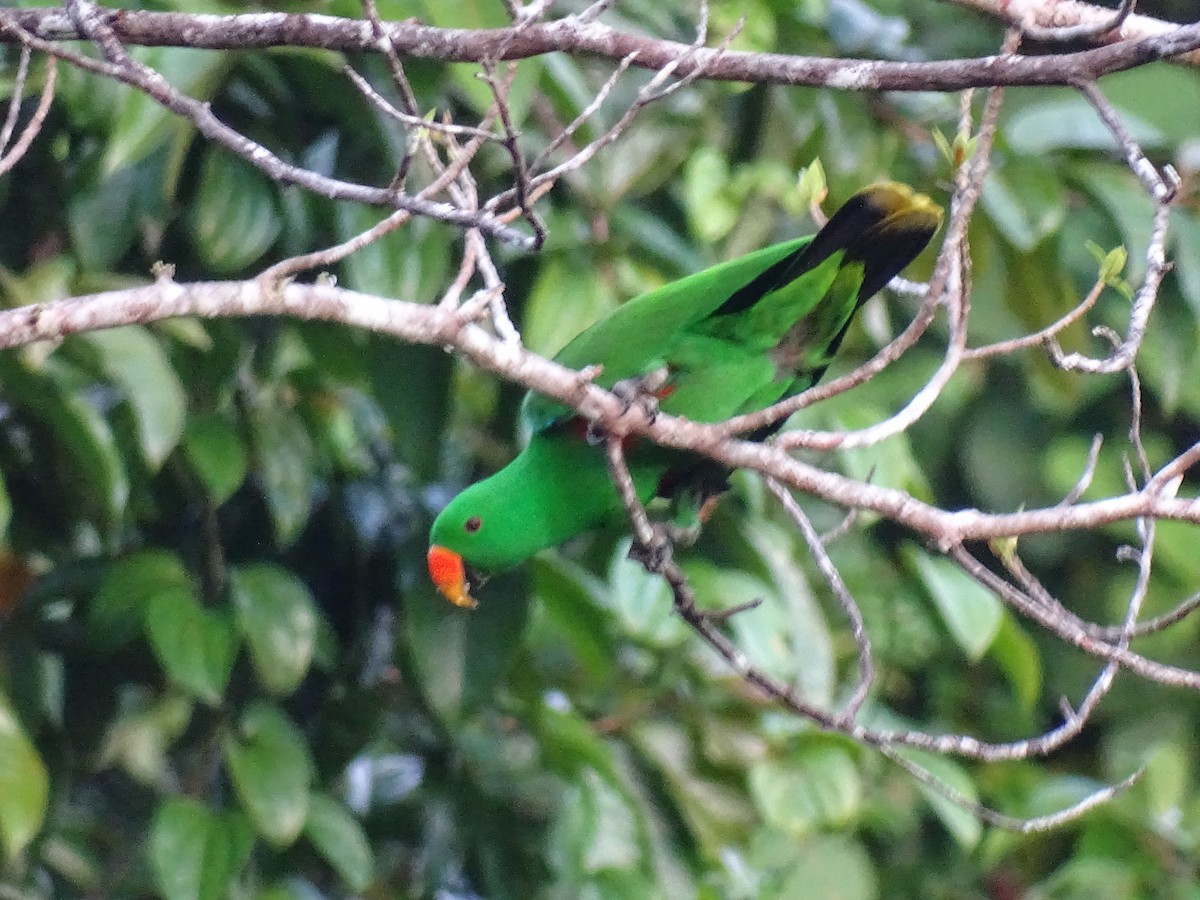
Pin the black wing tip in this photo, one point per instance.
(874, 224)
(884, 227)
(892, 224)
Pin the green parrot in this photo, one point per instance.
(731, 339)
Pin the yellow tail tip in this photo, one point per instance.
(899, 204)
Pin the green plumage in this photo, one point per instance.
(733, 339)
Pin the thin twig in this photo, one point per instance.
(129, 71)
(1085, 477)
(949, 284)
(858, 627)
(1011, 823)
(14, 102)
(34, 126)
(1079, 30)
(1038, 338)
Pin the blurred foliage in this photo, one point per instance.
(222, 671)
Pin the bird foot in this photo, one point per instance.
(655, 555)
(689, 515)
(643, 390)
(679, 534)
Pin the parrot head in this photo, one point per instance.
(460, 533)
(553, 491)
(488, 527)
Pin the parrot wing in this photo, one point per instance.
(747, 333)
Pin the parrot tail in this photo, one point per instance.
(884, 227)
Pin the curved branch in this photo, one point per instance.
(573, 34)
(453, 328)
(1067, 20)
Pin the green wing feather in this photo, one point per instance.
(749, 332)
(643, 334)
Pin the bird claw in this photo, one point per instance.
(643, 391)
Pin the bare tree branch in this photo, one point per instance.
(1069, 20)
(127, 70)
(580, 34)
(33, 127)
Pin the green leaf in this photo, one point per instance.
(1112, 264)
(802, 619)
(1155, 95)
(140, 738)
(115, 614)
(944, 148)
(563, 303)
(99, 238)
(817, 786)
(713, 210)
(194, 646)
(136, 363)
(571, 743)
(970, 611)
(643, 601)
(1125, 200)
(277, 616)
(812, 186)
(832, 867)
(763, 633)
(1185, 232)
(5, 507)
(1068, 121)
(717, 812)
(410, 263)
(436, 641)
(285, 460)
(269, 763)
(572, 615)
(340, 839)
(1026, 202)
(461, 658)
(216, 454)
(24, 785)
(889, 462)
(43, 282)
(87, 443)
(1167, 777)
(235, 217)
(1092, 878)
(196, 854)
(417, 418)
(598, 830)
(961, 823)
(1018, 657)
(139, 124)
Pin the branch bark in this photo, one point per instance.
(452, 329)
(573, 35)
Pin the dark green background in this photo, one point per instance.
(231, 677)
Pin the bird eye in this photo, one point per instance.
(473, 524)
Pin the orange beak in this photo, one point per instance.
(450, 576)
